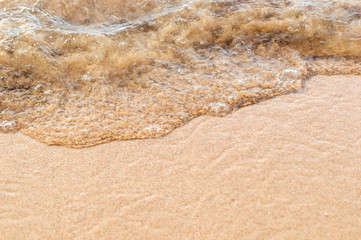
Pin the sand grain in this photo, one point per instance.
(287, 168)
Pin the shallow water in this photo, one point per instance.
(80, 73)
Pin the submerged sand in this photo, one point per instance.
(287, 168)
(85, 72)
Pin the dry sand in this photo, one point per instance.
(287, 168)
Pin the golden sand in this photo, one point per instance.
(286, 168)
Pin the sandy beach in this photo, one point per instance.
(286, 168)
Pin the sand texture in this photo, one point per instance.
(286, 168)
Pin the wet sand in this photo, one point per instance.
(83, 73)
(286, 168)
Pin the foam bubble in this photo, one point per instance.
(80, 73)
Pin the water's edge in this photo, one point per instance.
(86, 73)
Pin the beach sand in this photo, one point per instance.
(286, 168)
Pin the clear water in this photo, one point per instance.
(82, 72)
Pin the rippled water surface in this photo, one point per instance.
(83, 72)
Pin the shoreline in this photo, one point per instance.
(285, 168)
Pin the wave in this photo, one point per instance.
(80, 73)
